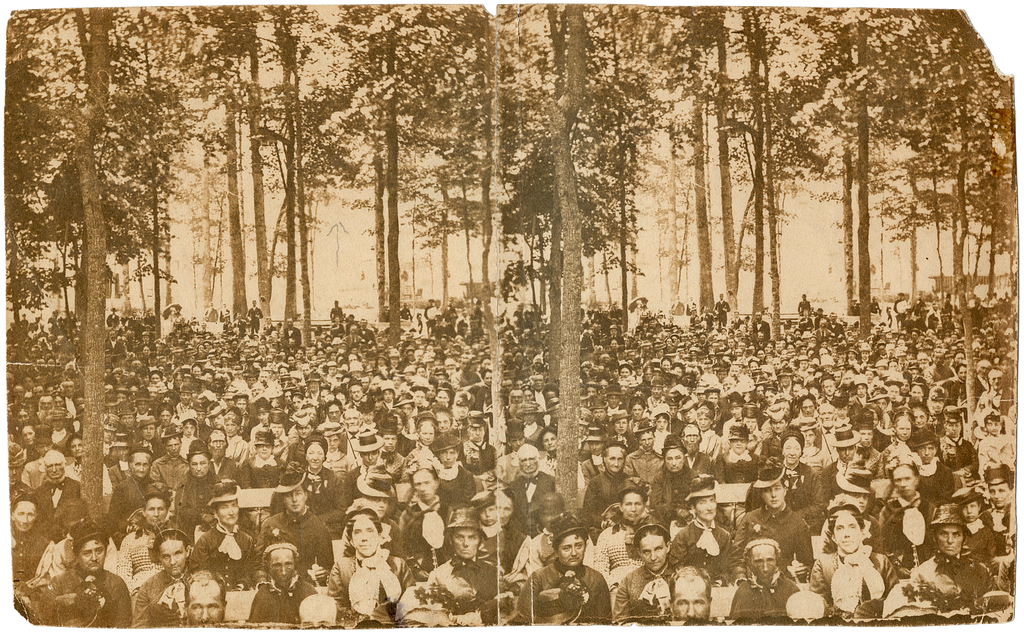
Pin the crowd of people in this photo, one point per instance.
(724, 471)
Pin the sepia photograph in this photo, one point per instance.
(377, 316)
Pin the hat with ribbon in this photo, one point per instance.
(224, 491)
(769, 474)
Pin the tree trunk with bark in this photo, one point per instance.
(380, 234)
(94, 27)
(773, 226)
(555, 288)
(704, 256)
(264, 277)
(391, 142)
(561, 114)
(205, 251)
(445, 272)
(300, 207)
(863, 192)
(755, 40)
(729, 251)
(235, 216)
(674, 260)
(851, 275)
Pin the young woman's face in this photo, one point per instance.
(903, 429)
(426, 433)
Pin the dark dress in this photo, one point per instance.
(237, 573)
(273, 605)
(458, 491)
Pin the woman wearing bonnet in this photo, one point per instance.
(853, 579)
(368, 575)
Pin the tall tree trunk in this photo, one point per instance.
(445, 273)
(755, 40)
(391, 141)
(379, 231)
(937, 218)
(205, 251)
(561, 114)
(235, 216)
(487, 172)
(555, 288)
(913, 263)
(290, 291)
(992, 259)
(851, 276)
(591, 281)
(94, 26)
(773, 219)
(467, 227)
(863, 206)
(674, 260)
(729, 251)
(168, 278)
(634, 285)
(263, 275)
(300, 207)
(961, 228)
(607, 277)
(707, 289)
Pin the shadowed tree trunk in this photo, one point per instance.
(851, 276)
(206, 253)
(863, 208)
(707, 289)
(264, 278)
(235, 216)
(379, 230)
(300, 206)
(391, 142)
(561, 114)
(755, 41)
(94, 26)
(674, 260)
(729, 251)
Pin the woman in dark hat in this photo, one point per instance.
(774, 520)
(472, 581)
(262, 469)
(327, 496)
(737, 464)
(981, 541)
(86, 594)
(702, 543)
(480, 455)
(804, 493)
(457, 485)
(192, 497)
(951, 572)
(671, 485)
(565, 591)
(937, 482)
(226, 549)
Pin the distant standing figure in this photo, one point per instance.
(255, 316)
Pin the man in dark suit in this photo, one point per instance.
(528, 487)
(56, 492)
(762, 331)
